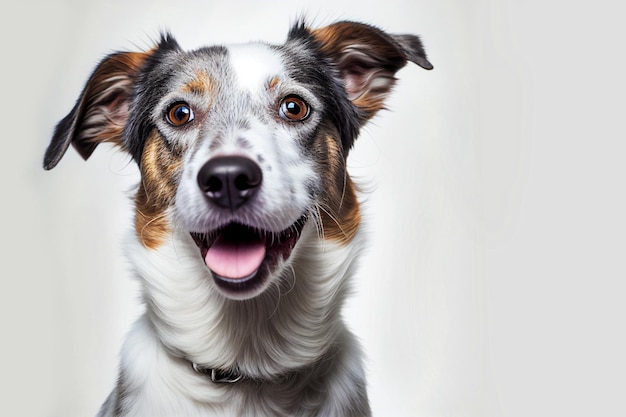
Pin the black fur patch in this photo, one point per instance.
(309, 66)
(150, 86)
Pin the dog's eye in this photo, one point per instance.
(294, 109)
(179, 114)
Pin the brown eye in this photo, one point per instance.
(179, 114)
(294, 109)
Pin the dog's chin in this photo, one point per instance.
(242, 258)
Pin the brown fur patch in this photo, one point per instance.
(160, 172)
(273, 83)
(340, 213)
(203, 84)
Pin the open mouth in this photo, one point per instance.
(241, 257)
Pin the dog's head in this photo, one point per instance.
(241, 146)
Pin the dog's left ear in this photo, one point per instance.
(368, 59)
(101, 110)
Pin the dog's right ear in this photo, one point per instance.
(101, 110)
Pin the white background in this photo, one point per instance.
(494, 280)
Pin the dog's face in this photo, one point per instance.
(241, 147)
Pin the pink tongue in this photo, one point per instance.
(235, 259)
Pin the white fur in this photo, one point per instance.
(183, 315)
(254, 65)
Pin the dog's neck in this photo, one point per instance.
(290, 326)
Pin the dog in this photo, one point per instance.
(247, 226)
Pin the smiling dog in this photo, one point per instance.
(247, 224)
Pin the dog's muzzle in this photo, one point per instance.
(240, 256)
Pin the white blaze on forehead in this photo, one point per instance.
(254, 65)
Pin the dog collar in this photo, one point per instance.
(219, 376)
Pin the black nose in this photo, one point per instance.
(229, 181)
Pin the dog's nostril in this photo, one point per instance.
(214, 184)
(244, 182)
(229, 181)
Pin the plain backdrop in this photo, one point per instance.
(494, 193)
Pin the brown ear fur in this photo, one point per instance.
(368, 59)
(101, 110)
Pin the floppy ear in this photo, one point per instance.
(101, 110)
(368, 59)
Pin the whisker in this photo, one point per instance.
(293, 275)
(278, 297)
(319, 226)
(343, 188)
(333, 218)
